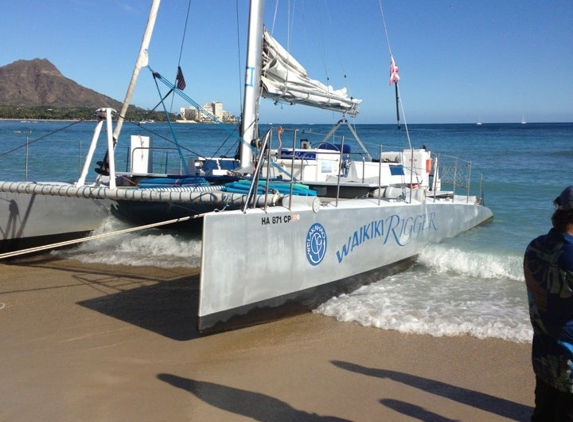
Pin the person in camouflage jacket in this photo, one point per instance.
(548, 271)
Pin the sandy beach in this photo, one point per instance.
(114, 343)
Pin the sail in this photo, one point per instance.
(284, 79)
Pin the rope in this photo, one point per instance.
(183, 95)
(397, 86)
(321, 29)
(184, 33)
(42, 137)
(275, 17)
(239, 57)
(404, 117)
(385, 28)
(334, 35)
(181, 48)
(95, 237)
(181, 157)
(160, 136)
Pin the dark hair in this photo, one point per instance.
(561, 218)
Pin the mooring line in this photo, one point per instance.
(96, 237)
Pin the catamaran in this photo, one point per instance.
(287, 225)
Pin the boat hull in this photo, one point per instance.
(29, 220)
(40, 213)
(262, 264)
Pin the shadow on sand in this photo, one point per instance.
(482, 401)
(164, 301)
(256, 406)
(168, 308)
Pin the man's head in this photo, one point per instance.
(562, 218)
(565, 200)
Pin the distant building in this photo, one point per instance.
(204, 115)
(188, 114)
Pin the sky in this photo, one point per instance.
(460, 61)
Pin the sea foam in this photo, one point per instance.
(448, 292)
(154, 248)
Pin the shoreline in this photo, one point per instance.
(358, 124)
(115, 343)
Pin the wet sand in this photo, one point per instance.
(114, 343)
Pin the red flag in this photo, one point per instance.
(393, 71)
(180, 80)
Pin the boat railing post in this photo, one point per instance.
(91, 150)
(380, 176)
(269, 141)
(26, 167)
(80, 157)
(110, 147)
(127, 160)
(163, 162)
(455, 180)
(469, 180)
(339, 170)
(292, 159)
(253, 189)
(481, 190)
(411, 173)
(436, 175)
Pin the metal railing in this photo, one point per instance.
(457, 173)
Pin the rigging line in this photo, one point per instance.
(404, 117)
(399, 95)
(216, 153)
(290, 20)
(157, 105)
(181, 49)
(385, 28)
(166, 139)
(337, 45)
(272, 31)
(184, 33)
(239, 58)
(183, 95)
(42, 137)
(321, 44)
(177, 91)
(157, 76)
(289, 25)
(181, 157)
(233, 133)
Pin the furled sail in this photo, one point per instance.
(284, 79)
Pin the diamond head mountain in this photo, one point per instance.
(37, 89)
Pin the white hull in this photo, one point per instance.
(277, 253)
(35, 214)
(29, 220)
(259, 263)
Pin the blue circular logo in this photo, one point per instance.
(315, 244)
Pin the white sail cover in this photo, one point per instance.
(284, 79)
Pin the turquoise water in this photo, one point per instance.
(472, 284)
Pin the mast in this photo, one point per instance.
(249, 124)
(142, 61)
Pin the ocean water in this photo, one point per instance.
(468, 285)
